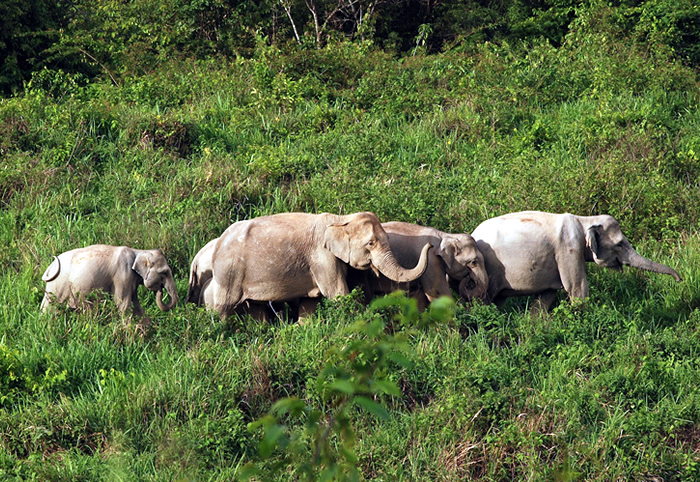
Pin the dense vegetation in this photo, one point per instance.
(158, 124)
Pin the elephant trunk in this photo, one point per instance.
(172, 293)
(636, 260)
(474, 287)
(387, 265)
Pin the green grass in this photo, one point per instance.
(603, 391)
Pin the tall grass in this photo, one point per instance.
(603, 391)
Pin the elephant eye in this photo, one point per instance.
(371, 242)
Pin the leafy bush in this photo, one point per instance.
(177, 144)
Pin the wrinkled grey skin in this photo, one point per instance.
(290, 256)
(200, 292)
(537, 253)
(116, 270)
(453, 259)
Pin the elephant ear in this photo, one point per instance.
(141, 265)
(448, 251)
(592, 239)
(337, 240)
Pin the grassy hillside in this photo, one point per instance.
(601, 124)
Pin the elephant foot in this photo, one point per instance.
(143, 327)
(540, 307)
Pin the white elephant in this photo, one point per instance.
(290, 256)
(116, 270)
(538, 253)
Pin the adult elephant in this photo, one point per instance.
(538, 253)
(453, 260)
(290, 256)
(200, 292)
(116, 270)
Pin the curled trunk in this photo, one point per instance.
(636, 260)
(172, 293)
(388, 266)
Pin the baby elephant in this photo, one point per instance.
(118, 270)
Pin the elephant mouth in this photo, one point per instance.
(363, 265)
(469, 290)
(156, 287)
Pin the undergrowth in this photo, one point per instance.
(598, 124)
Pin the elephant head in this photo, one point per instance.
(464, 263)
(361, 242)
(156, 274)
(611, 249)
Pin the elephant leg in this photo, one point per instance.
(138, 310)
(499, 301)
(572, 273)
(307, 307)
(329, 275)
(48, 299)
(125, 298)
(206, 295)
(76, 301)
(542, 302)
(226, 299)
(258, 311)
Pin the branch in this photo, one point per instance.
(291, 20)
(101, 65)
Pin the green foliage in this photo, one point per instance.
(357, 374)
(115, 40)
(163, 138)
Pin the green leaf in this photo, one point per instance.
(330, 473)
(386, 386)
(394, 299)
(344, 386)
(288, 405)
(272, 437)
(248, 471)
(372, 407)
(442, 309)
(375, 327)
(400, 359)
(264, 421)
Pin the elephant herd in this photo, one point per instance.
(298, 258)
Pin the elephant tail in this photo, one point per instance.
(192, 289)
(52, 271)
